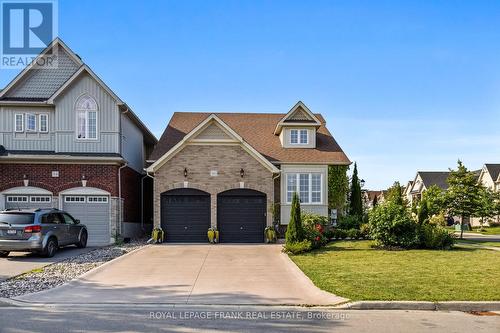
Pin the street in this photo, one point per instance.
(149, 318)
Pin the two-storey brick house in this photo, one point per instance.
(68, 141)
(229, 171)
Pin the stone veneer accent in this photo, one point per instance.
(199, 160)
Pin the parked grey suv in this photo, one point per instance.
(41, 231)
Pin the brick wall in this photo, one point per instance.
(131, 193)
(199, 161)
(70, 175)
(104, 177)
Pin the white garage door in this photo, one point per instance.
(28, 201)
(93, 211)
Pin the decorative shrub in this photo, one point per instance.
(298, 247)
(349, 222)
(353, 234)
(391, 225)
(294, 230)
(438, 219)
(314, 229)
(364, 231)
(434, 236)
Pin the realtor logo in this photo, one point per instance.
(28, 27)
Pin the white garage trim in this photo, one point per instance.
(26, 190)
(84, 191)
(22, 191)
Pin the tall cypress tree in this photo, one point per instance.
(294, 230)
(355, 201)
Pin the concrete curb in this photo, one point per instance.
(422, 306)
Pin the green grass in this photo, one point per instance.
(488, 231)
(474, 242)
(355, 270)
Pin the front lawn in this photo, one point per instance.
(488, 231)
(354, 270)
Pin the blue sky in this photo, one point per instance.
(403, 85)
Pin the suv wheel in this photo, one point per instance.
(82, 243)
(4, 254)
(50, 248)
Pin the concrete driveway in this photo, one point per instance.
(20, 262)
(193, 274)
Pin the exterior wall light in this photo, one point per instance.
(242, 173)
(185, 172)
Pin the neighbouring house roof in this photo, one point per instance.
(43, 85)
(494, 171)
(438, 178)
(257, 129)
(373, 194)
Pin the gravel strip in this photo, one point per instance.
(61, 272)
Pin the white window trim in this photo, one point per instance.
(298, 140)
(300, 136)
(86, 111)
(46, 115)
(46, 198)
(11, 197)
(66, 199)
(297, 181)
(299, 131)
(103, 201)
(27, 122)
(22, 123)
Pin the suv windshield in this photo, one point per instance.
(17, 218)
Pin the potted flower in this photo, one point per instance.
(213, 235)
(270, 234)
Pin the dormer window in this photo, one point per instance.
(86, 118)
(299, 136)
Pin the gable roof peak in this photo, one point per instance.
(27, 84)
(298, 114)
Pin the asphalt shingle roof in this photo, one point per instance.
(40, 84)
(494, 170)
(438, 178)
(257, 129)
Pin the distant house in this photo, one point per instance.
(407, 191)
(489, 177)
(425, 179)
(369, 198)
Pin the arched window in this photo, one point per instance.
(86, 118)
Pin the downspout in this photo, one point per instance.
(120, 195)
(142, 196)
(274, 199)
(120, 174)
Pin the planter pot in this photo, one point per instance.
(270, 235)
(211, 236)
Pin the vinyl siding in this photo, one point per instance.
(108, 137)
(132, 144)
(22, 140)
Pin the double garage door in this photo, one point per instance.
(94, 212)
(241, 215)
